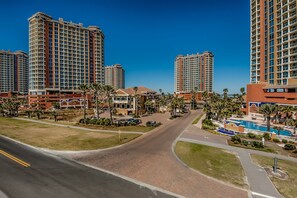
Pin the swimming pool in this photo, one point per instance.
(254, 126)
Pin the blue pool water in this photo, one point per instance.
(254, 126)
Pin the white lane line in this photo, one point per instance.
(262, 195)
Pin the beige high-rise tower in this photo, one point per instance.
(273, 41)
(194, 71)
(115, 76)
(63, 55)
(14, 68)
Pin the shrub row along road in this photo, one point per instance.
(150, 159)
(26, 172)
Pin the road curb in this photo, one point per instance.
(214, 179)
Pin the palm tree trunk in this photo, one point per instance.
(268, 123)
(97, 108)
(85, 109)
(110, 111)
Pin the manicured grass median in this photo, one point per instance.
(59, 138)
(121, 128)
(212, 161)
(197, 119)
(286, 187)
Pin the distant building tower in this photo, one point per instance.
(194, 71)
(14, 68)
(63, 55)
(115, 76)
(273, 41)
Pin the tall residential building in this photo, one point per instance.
(63, 55)
(194, 71)
(273, 41)
(115, 76)
(14, 68)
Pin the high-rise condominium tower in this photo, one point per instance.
(63, 55)
(115, 76)
(273, 41)
(14, 67)
(194, 71)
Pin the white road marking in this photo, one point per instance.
(262, 195)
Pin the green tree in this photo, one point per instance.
(136, 99)
(83, 88)
(54, 113)
(97, 90)
(293, 123)
(109, 93)
(287, 110)
(268, 110)
(278, 129)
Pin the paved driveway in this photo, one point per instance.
(150, 159)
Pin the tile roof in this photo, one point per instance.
(130, 91)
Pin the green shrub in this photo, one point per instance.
(257, 144)
(207, 122)
(284, 141)
(107, 122)
(208, 125)
(291, 142)
(276, 140)
(235, 138)
(289, 147)
(93, 121)
(251, 135)
(267, 136)
(245, 143)
(236, 142)
(259, 137)
(158, 124)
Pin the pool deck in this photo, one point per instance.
(261, 122)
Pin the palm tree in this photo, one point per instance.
(293, 123)
(38, 113)
(97, 89)
(148, 105)
(136, 100)
(109, 93)
(83, 88)
(278, 129)
(268, 110)
(218, 108)
(2, 110)
(174, 104)
(206, 106)
(28, 112)
(225, 93)
(287, 110)
(55, 115)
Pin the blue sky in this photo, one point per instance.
(146, 36)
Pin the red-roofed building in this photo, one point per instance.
(124, 100)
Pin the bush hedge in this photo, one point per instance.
(276, 140)
(289, 147)
(95, 121)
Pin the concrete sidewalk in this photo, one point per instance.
(260, 184)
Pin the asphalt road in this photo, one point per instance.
(150, 159)
(52, 176)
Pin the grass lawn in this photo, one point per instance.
(122, 128)
(286, 187)
(108, 128)
(211, 161)
(59, 138)
(197, 119)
